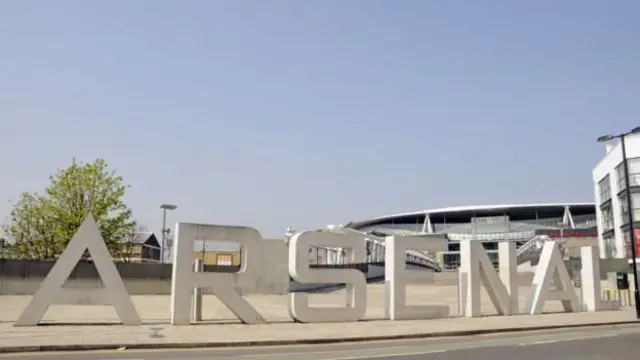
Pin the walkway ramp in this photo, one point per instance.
(531, 250)
(373, 267)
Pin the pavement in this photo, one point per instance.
(595, 343)
(95, 327)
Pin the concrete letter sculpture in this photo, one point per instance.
(508, 264)
(476, 269)
(551, 268)
(590, 276)
(51, 291)
(356, 302)
(184, 279)
(397, 276)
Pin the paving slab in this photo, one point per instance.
(155, 308)
(69, 327)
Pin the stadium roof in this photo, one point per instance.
(472, 208)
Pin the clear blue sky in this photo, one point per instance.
(306, 113)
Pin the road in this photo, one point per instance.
(597, 343)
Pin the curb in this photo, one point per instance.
(210, 345)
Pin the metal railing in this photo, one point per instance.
(375, 252)
(520, 235)
(376, 246)
(533, 247)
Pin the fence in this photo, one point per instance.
(137, 253)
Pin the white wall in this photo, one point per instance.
(607, 166)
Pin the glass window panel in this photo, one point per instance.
(634, 165)
(634, 173)
(620, 177)
(609, 247)
(624, 208)
(627, 242)
(634, 179)
(607, 218)
(604, 187)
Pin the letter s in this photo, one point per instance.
(356, 300)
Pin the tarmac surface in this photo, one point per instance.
(596, 343)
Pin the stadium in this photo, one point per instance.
(488, 224)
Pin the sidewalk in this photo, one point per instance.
(221, 329)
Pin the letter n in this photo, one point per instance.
(51, 291)
(476, 270)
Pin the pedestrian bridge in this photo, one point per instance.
(375, 246)
(373, 266)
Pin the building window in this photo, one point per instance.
(634, 173)
(451, 261)
(624, 208)
(627, 242)
(490, 245)
(607, 218)
(604, 187)
(224, 259)
(620, 176)
(609, 246)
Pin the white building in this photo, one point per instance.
(611, 203)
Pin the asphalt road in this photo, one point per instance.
(598, 343)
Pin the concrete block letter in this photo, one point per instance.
(356, 302)
(476, 269)
(590, 276)
(551, 269)
(508, 264)
(397, 276)
(223, 285)
(51, 291)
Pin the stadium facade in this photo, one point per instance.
(488, 224)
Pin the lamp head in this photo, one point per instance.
(605, 138)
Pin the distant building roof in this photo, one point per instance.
(479, 209)
(146, 238)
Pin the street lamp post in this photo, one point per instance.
(289, 234)
(165, 230)
(632, 233)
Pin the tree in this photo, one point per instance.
(42, 225)
(129, 249)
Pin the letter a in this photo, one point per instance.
(51, 291)
(551, 267)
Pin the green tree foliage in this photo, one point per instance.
(6, 249)
(42, 225)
